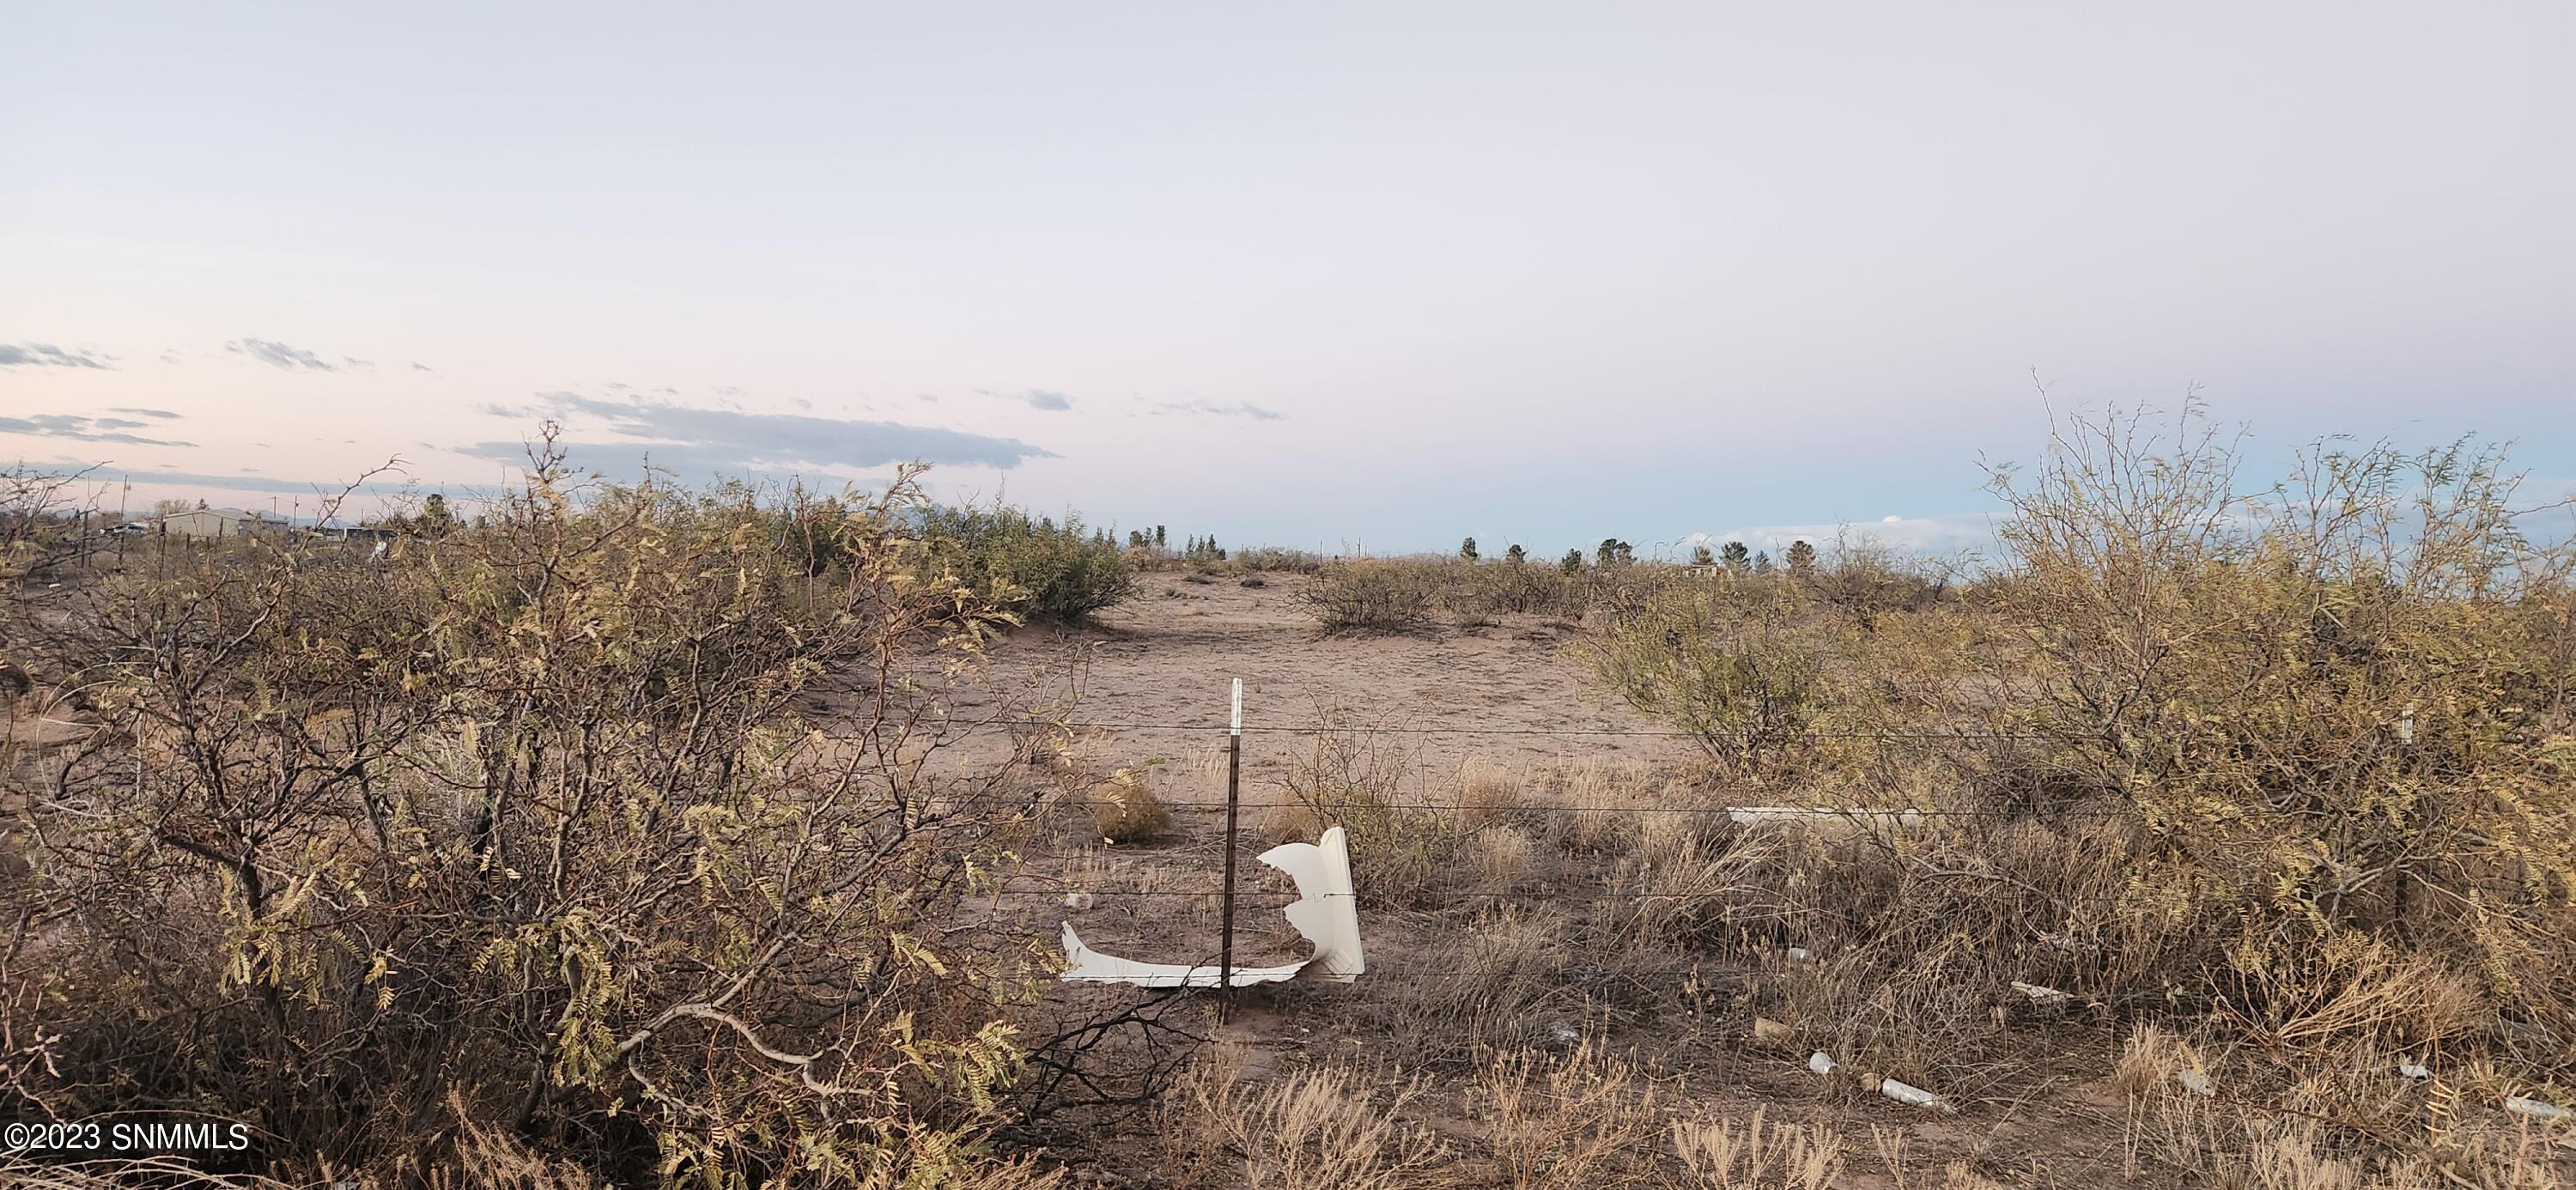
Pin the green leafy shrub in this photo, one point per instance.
(1745, 685)
(1031, 568)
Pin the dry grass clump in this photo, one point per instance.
(1317, 1129)
(1125, 810)
(1720, 1154)
(1599, 800)
(1683, 882)
(1578, 1119)
(2218, 1142)
(2152, 1062)
(1497, 980)
(1485, 792)
(1503, 856)
(119, 1173)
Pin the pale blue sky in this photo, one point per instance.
(1315, 275)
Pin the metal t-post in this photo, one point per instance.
(1225, 913)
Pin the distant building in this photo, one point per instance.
(221, 522)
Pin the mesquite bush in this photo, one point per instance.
(520, 832)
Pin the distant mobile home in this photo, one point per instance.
(221, 522)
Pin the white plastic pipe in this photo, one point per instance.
(1913, 1096)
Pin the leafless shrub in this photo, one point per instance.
(1356, 779)
(1370, 595)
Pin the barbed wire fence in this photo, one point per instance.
(1744, 804)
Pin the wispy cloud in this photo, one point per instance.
(418, 366)
(1203, 405)
(257, 483)
(697, 441)
(280, 355)
(1035, 398)
(163, 414)
(46, 355)
(81, 429)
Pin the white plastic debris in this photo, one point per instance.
(2406, 1069)
(2522, 1106)
(1802, 954)
(1325, 912)
(2198, 1084)
(2046, 996)
(1077, 900)
(1913, 1096)
(1821, 1062)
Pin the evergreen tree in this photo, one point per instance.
(1515, 555)
(1467, 549)
(1802, 558)
(1738, 558)
(1573, 562)
(1700, 555)
(434, 519)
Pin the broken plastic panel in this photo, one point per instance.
(1325, 912)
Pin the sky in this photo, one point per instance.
(1326, 276)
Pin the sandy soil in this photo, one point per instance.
(1168, 657)
(1152, 677)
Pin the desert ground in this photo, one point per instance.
(1506, 699)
